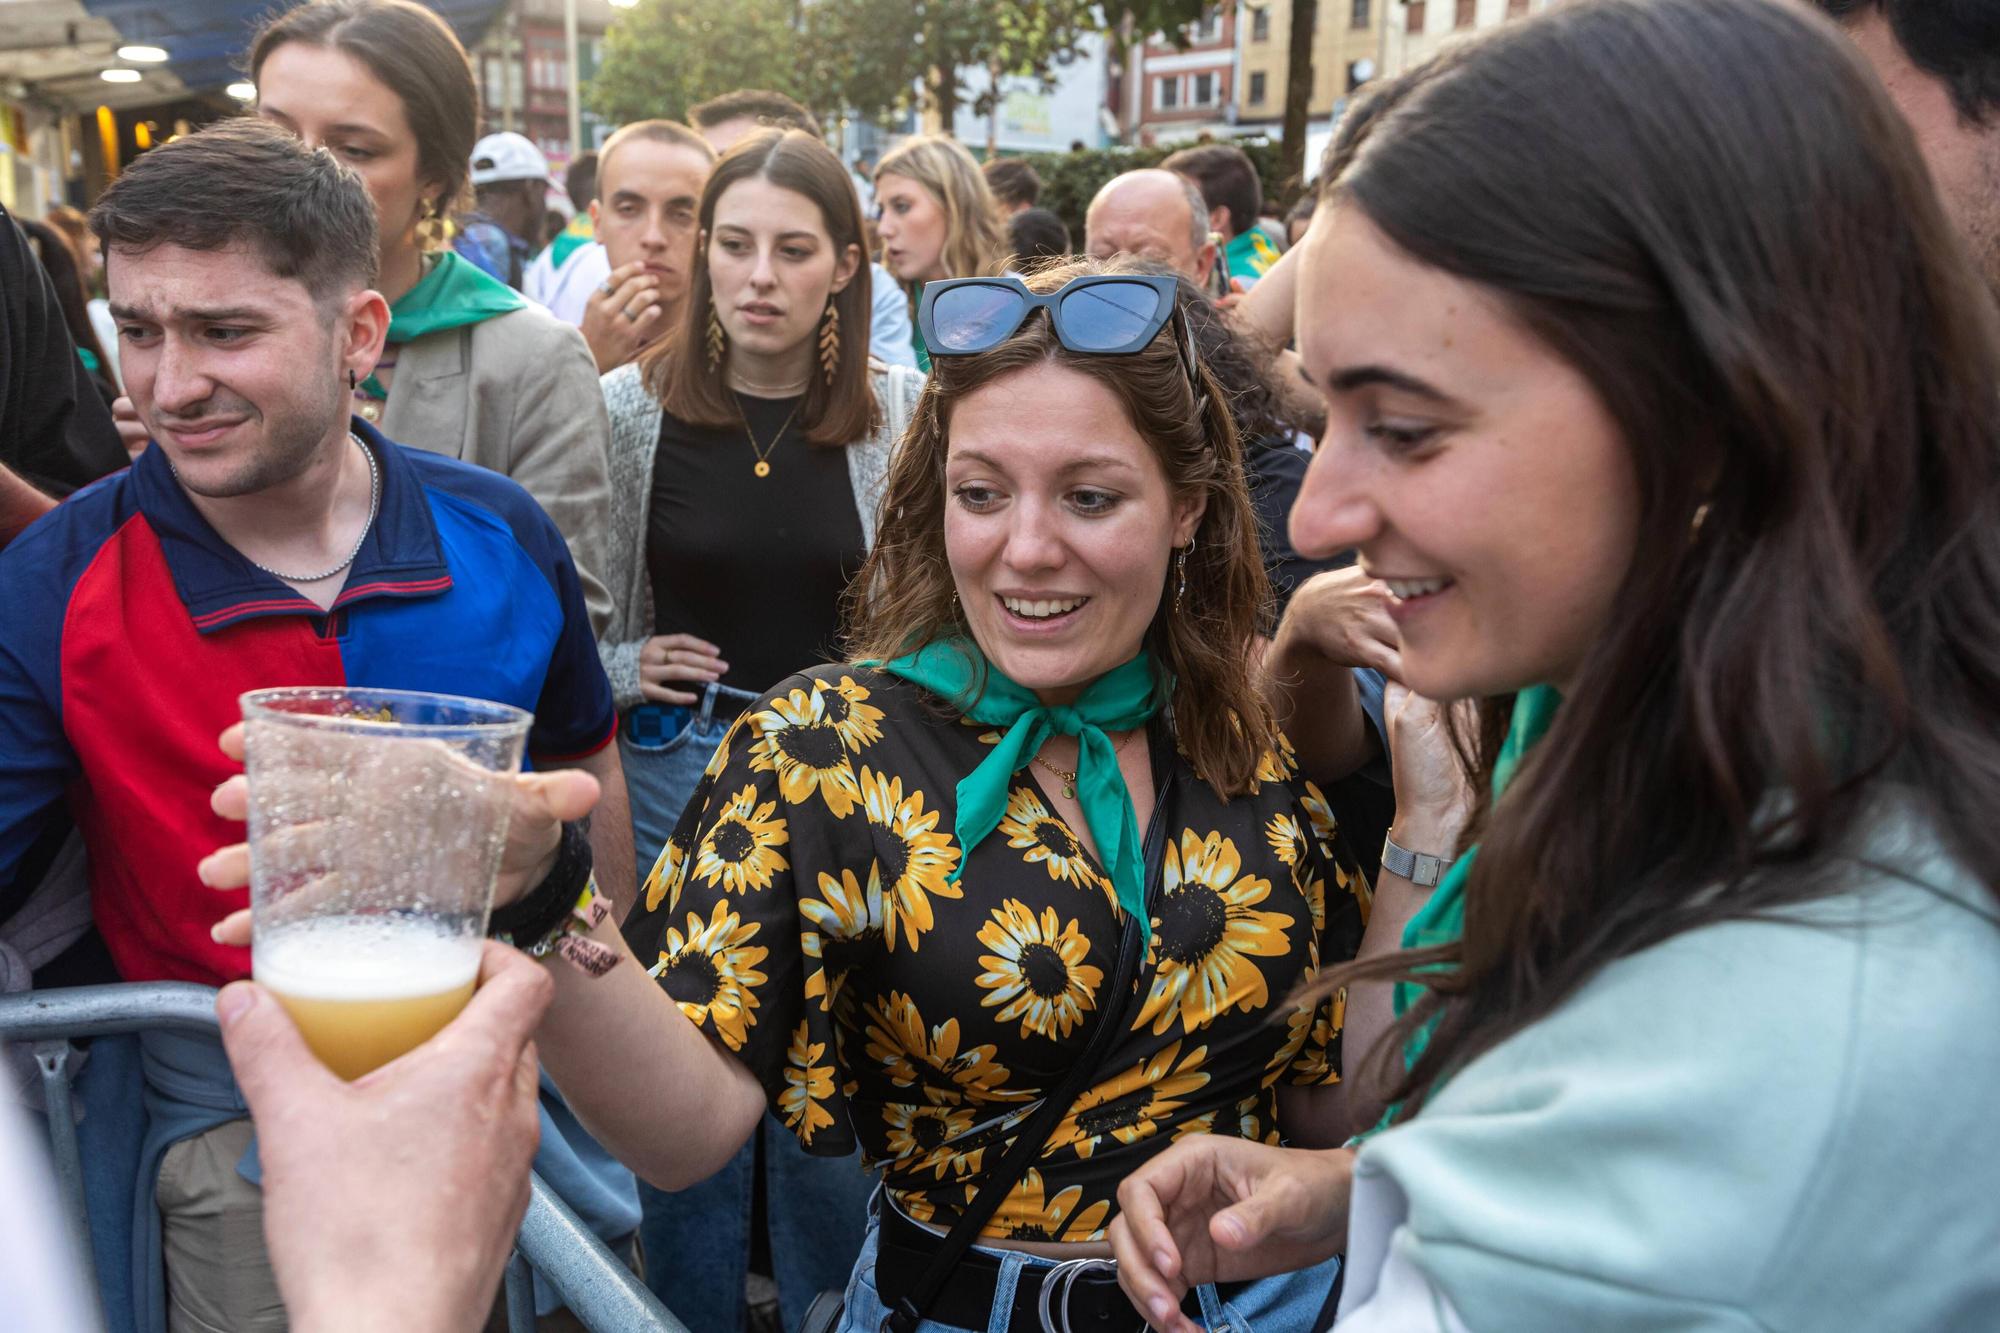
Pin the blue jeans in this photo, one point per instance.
(697, 1240)
(1287, 1303)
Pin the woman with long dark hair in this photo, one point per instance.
(1662, 397)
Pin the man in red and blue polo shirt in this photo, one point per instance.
(265, 539)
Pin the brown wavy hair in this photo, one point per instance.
(1801, 360)
(1222, 722)
(841, 413)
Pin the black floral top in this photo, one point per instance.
(802, 915)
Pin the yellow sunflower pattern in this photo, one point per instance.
(1132, 1105)
(843, 918)
(740, 850)
(808, 742)
(712, 972)
(1036, 971)
(891, 991)
(1207, 930)
(808, 1087)
(1044, 840)
(1031, 1212)
(919, 857)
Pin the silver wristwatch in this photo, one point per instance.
(1420, 868)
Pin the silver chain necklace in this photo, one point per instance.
(374, 504)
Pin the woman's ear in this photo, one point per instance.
(844, 271)
(1188, 513)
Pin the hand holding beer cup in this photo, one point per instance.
(377, 820)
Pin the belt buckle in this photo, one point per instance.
(1067, 1272)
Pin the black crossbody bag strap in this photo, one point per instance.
(1034, 1133)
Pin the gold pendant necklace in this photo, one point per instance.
(1068, 775)
(763, 466)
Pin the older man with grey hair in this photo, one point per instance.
(1153, 215)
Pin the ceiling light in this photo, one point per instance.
(146, 55)
(120, 76)
(242, 92)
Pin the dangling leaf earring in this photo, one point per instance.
(829, 342)
(1180, 571)
(715, 339)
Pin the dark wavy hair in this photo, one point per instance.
(1711, 210)
(1957, 41)
(904, 596)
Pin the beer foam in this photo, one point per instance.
(365, 958)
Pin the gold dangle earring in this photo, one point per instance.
(1180, 571)
(715, 339)
(430, 227)
(829, 342)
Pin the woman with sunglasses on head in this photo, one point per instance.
(748, 455)
(936, 218)
(1687, 473)
(473, 369)
(1036, 870)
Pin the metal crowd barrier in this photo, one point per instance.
(598, 1289)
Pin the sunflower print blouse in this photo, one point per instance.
(802, 914)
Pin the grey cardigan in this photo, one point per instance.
(516, 394)
(635, 434)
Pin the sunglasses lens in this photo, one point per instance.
(974, 318)
(1105, 315)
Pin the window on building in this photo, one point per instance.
(1204, 90)
(1206, 29)
(1166, 93)
(1260, 25)
(1257, 87)
(1413, 17)
(1358, 15)
(1463, 19)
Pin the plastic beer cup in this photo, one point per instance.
(377, 819)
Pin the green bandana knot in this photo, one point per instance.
(1123, 698)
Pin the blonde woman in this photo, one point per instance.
(938, 218)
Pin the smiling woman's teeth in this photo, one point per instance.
(1041, 610)
(1408, 588)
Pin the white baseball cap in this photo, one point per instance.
(507, 156)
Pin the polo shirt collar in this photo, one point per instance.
(401, 555)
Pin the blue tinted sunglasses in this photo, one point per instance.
(1100, 314)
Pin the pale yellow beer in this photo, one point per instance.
(365, 989)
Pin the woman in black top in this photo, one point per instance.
(747, 456)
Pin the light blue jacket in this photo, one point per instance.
(1753, 1126)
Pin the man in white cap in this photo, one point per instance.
(510, 178)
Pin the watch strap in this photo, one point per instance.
(1420, 868)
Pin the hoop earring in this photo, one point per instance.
(829, 342)
(715, 339)
(1180, 572)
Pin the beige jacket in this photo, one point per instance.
(518, 394)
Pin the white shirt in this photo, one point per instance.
(566, 290)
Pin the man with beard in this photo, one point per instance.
(1940, 62)
(270, 539)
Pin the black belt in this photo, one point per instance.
(1087, 1300)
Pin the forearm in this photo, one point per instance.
(611, 848)
(1268, 310)
(20, 505)
(1370, 1071)
(662, 1097)
(1321, 1117)
(1319, 709)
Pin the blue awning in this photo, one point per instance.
(205, 40)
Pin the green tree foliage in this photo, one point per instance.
(663, 56)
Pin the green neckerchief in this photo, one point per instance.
(453, 294)
(1122, 698)
(917, 343)
(1442, 919)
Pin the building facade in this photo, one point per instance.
(522, 68)
(1167, 91)
(1347, 52)
(1419, 29)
